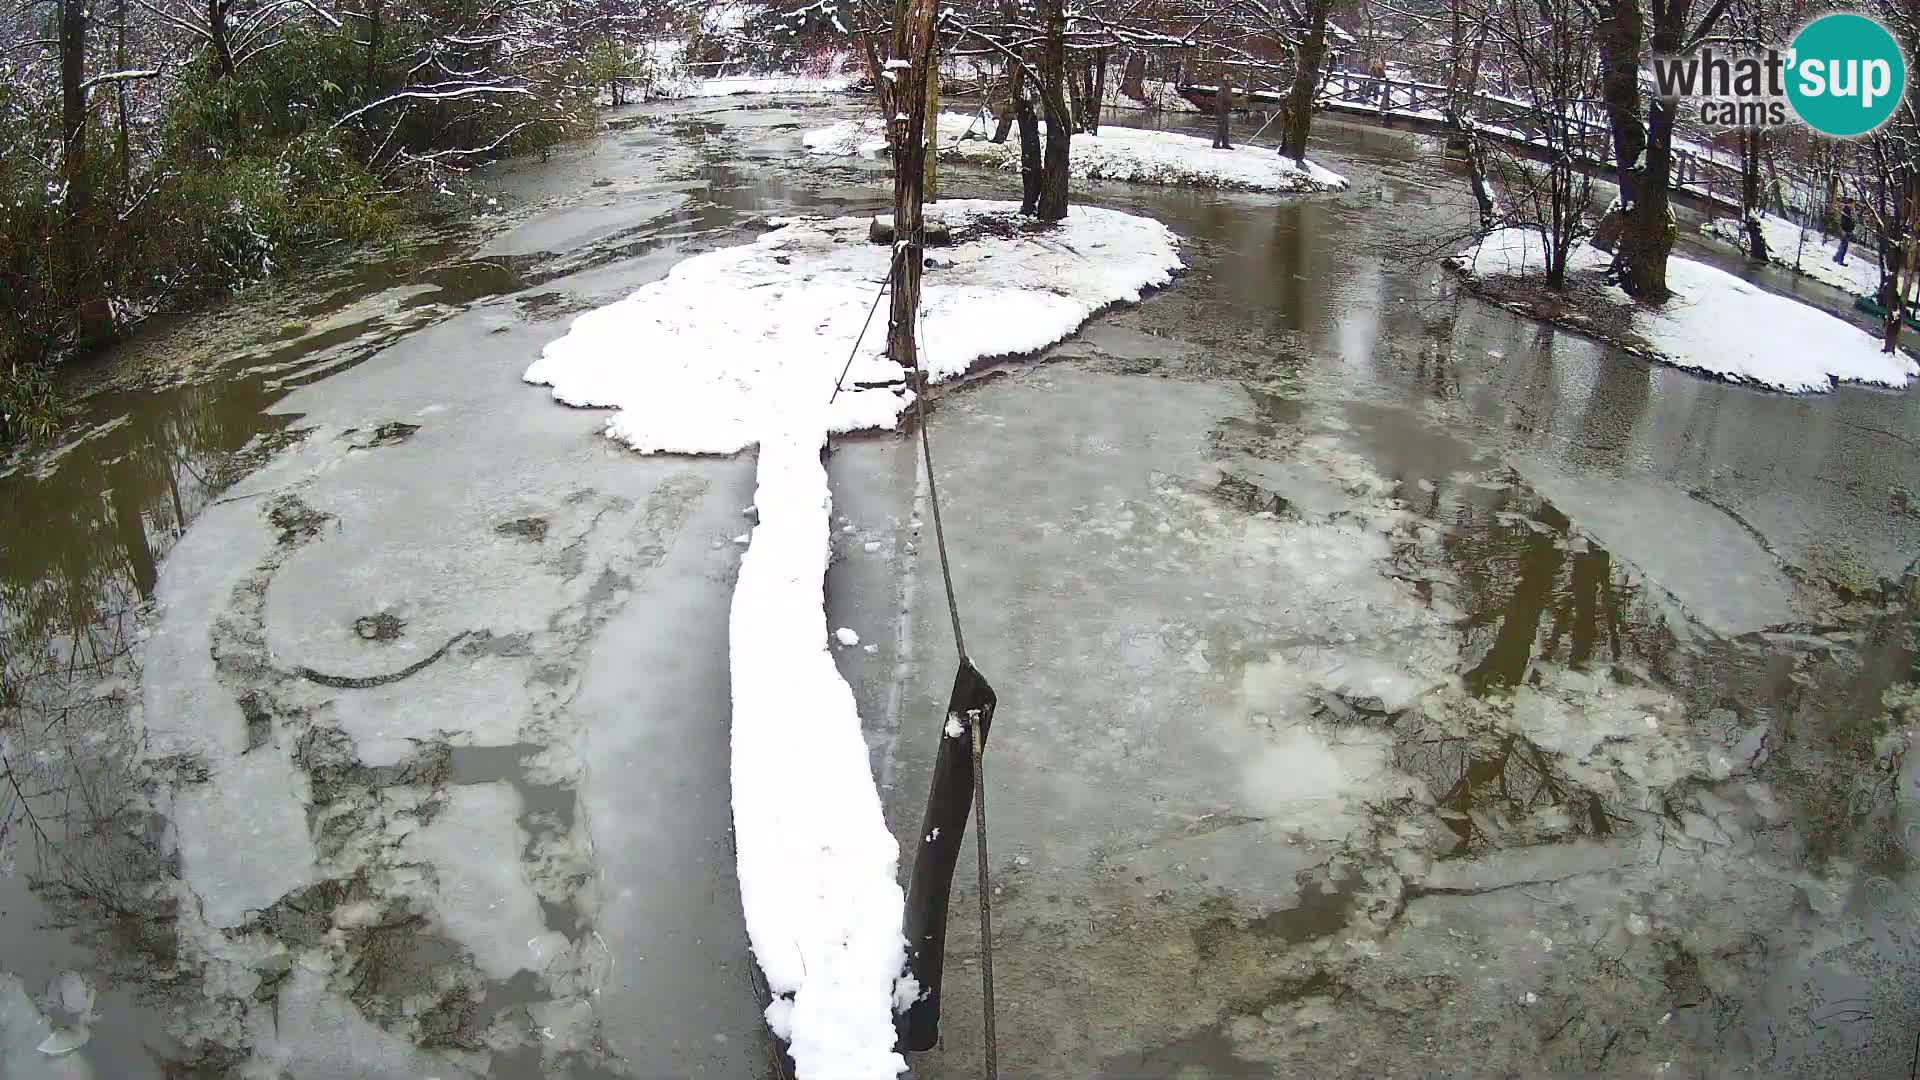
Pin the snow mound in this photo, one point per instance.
(1717, 324)
(743, 346)
(1117, 153)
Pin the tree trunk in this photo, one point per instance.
(1029, 149)
(1004, 124)
(912, 42)
(1223, 110)
(373, 50)
(1750, 204)
(932, 139)
(92, 316)
(1077, 99)
(1053, 64)
(1903, 284)
(120, 102)
(1477, 179)
(1640, 254)
(877, 72)
(1133, 76)
(73, 107)
(1306, 76)
(1097, 98)
(217, 32)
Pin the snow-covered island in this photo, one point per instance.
(1715, 323)
(745, 346)
(1126, 154)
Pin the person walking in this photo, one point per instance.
(1846, 231)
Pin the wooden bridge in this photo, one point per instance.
(1701, 179)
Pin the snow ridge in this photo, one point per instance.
(743, 346)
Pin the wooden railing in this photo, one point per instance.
(1588, 136)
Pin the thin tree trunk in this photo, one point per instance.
(1054, 169)
(93, 318)
(1902, 285)
(373, 49)
(1004, 123)
(1097, 99)
(1306, 76)
(1030, 164)
(877, 72)
(1076, 99)
(73, 107)
(1223, 110)
(1750, 206)
(120, 102)
(932, 139)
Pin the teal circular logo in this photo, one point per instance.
(1848, 75)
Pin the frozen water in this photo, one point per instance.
(481, 893)
(1716, 568)
(244, 841)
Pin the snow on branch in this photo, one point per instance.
(433, 95)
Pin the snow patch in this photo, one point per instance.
(1802, 250)
(1718, 324)
(706, 359)
(1117, 153)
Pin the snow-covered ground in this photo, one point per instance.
(1718, 324)
(744, 346)
(1117, 153)
(1803, 251)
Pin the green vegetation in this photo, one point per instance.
(208, 156)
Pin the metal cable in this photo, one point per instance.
(986, 898)
(933, 491)
(851, 353)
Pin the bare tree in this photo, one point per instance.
(1643, 129)
(1545, 47)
